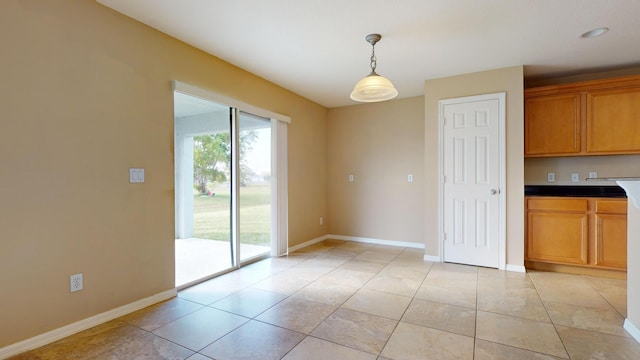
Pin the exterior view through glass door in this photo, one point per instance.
(221, 219)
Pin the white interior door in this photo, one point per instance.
(472, 193)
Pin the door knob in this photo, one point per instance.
(493, 191)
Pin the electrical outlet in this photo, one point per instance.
(575, 177)
(351, 177)
(76, 282)
(321, 220)
(593, 174)
(136, 175)
(410, 178)
(551, 177)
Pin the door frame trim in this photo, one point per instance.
(229, 101)
(502, 227)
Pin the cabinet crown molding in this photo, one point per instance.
(577, 87)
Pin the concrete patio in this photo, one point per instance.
(198, 258)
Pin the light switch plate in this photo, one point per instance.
(351, 177)
(593, 174)
(575, 177)
(136, 175)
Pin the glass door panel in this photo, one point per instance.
(202, 189)
(223, 188)
(254, 186)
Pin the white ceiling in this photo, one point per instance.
(316, 48)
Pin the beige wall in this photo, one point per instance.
(509, 80)
(380, 144)
(536, 169)
(86, 94)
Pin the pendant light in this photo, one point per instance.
(374, 87)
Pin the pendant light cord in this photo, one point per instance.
(373, 59)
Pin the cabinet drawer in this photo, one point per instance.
(556, 204)
(611, 206)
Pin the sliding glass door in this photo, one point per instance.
(203, 188)
(255, 186)
(223, 188)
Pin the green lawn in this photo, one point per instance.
(212, 215)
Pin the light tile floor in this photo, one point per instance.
(345, 300)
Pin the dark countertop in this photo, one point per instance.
(574, 191)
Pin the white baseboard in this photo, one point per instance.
(516, 268)
(432, 258)
(357, 239)
(632, 330)
(307, 243)
(376, 241)
(84, 324)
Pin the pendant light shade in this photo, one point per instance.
(374, 87)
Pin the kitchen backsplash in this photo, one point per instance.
(536, 170)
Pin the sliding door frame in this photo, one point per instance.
(279, 186)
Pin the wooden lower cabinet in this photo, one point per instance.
(611, 234)
(589, 232)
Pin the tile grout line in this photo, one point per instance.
(291, 296)
(405, 310)
(546, 309)
(603, 297)
(254, 318)
(340, 306)
(333, 312)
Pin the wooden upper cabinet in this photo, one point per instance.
(553, 125)
(600, 117)
(613, 121)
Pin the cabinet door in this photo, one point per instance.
(557, 236)
(613, 121)
(552, 125)
(611, 240)
(611, 233)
